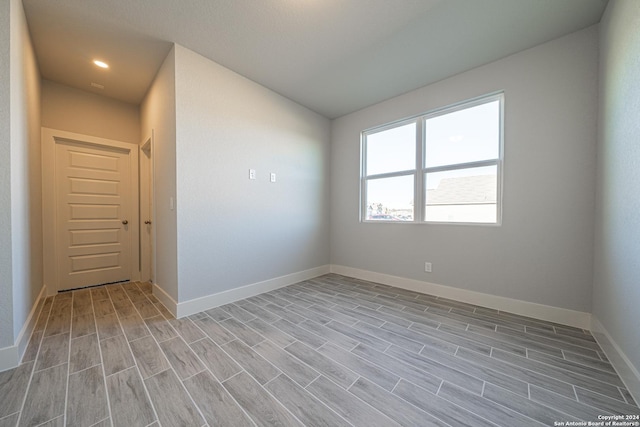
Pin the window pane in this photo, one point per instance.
(468, 135)
(463, 195)
(392, 150)
(390, 199)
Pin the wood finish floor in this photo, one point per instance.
(332, 351)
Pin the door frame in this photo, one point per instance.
(50, 137)
(147, 192)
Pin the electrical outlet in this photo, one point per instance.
(427, 267)
(272, 177)
(252, 174)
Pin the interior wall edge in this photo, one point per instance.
(164, 297)
(624, 367)
(6, 285)
(564, 316)
(29, 325)
(11, 356)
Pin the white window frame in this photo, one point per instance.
(420, 171)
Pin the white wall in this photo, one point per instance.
(26, 172)
(21, 183)
(158, 113)
(6, 302)
(616, 291)
(233, 231)
(78, 111)
(542, 253)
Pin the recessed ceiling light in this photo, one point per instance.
(101, 64)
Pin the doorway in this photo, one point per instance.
(91, 217)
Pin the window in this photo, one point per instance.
(443, 166)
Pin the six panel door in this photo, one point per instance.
(93, 207)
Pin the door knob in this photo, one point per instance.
(147, 222)
(125, 222)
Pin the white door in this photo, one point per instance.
(93, 210)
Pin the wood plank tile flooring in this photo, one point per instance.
(332, 351)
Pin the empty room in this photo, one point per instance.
(319, 213)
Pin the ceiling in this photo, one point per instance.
(333, 56)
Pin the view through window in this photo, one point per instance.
(442, 166)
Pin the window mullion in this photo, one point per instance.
(363, 177)
(419, 194)
(390, 174)
(469, 165)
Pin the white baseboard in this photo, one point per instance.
(166, 299)
(563, 316)
(559, 315)
(197, 305)
(623, 366)
(11, 356)
(27, 329)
